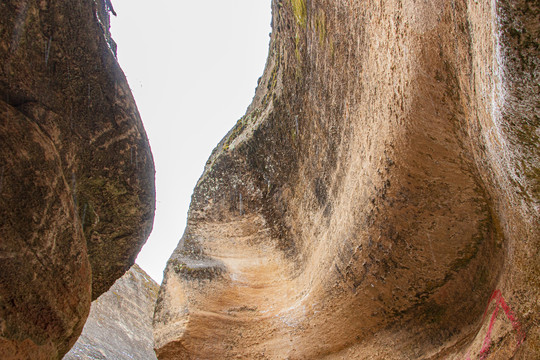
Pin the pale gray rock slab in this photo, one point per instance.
(120, 322)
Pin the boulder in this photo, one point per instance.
(76, 173)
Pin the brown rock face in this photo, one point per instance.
(382, 185)
(76, 173)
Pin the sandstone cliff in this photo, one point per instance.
(119, 326)
(76, 173)
(379, 200)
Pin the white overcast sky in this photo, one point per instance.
(193, 68)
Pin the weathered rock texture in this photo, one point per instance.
(119, 326)
(76, 173)
(382, 185)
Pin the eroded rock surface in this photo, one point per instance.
(76, 173)
(379, 200)
(119, 326)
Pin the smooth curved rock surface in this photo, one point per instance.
(119, 326)
(379, 200)
(76, 173)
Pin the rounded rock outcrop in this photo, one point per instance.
(76, 173)
(380, 197)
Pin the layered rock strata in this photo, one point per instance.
(379, 200)
(119, 326)
(76, 173)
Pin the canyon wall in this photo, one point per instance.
(76, 173)
(379, 199)
(119, 326)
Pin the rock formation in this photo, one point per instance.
(119, 326)
(76, 173)
(379, 199)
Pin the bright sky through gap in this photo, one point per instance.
(193, 68)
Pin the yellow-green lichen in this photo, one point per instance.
(241, 124)
(300, 11)
(297, 49)
(320, 26)
(272, 80)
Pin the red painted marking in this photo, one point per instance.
(501, 304)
